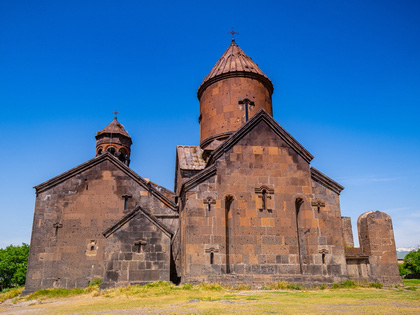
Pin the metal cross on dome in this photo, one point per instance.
(115, 114)
(233, 33)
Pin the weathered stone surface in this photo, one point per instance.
(247, 208)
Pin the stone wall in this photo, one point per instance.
(376, 237)
(219, 108)
(347, 232)
(71, 212)
(137, 253)
(239, 233)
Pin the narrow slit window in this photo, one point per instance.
(126, 203)
(211, 258)
(323, 259)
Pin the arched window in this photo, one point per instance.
(123, 155)
(99, 151)
(111, 150)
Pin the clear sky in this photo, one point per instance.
(346, 78)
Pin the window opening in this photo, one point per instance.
(126, 197)
(247, 106)
(211, 258)
(111, 150)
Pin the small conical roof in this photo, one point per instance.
(114, 127)
(235, 61)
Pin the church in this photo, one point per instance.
(247, 207)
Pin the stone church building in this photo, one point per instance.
(247, 207)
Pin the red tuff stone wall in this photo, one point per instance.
(240, 237)
(219, 108)
(376, 237)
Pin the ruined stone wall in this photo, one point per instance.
(347, 232)
(67, 245)
(219, 108)
(376, 237)
(257, 240)
(137, 253)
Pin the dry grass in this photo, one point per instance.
(165, 298)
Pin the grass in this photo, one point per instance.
(279, 298)
(10, 294)
(412, 282)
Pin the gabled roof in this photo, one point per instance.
(99, 159)
(261, 116)
(325, 181)
(138, 209)
(234, 62)
(114, 127)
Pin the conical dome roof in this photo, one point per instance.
(114, 127)
(235, 62)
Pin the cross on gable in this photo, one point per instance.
(209, 201)
(57, 226)
(247, 106)
(318, 204)
(139, 244)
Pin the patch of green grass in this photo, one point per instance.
(281, 285)
(95, 282)
(375, 285)
(345, 285)
(10, 293)
(53, 293)
(412, 282)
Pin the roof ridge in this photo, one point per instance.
(96, 160)
(249, 125)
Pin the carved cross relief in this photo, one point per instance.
(57, 226)
(264, 198)
(209, 201)
(318, 204)
(139, 244)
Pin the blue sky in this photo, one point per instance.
(346, 76)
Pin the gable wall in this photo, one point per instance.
(127, 263)
(260, 241)
(85, 205)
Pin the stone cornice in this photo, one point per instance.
(99, 159)
(108, 232)
(243, 74)
(262, 115)
(325, 181)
